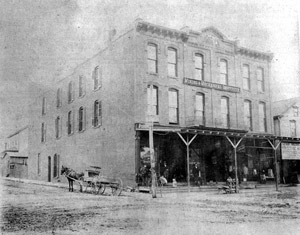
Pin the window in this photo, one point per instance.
(262, 117)
(173, 106)
(199, 67)
(81, 119)
(70, 123)
(152, 104)
(223, 72)
(260, 79)
(43, 136)
(293, 128)
(225, 112)
(58, 97)
(199, 109)
(39, 164)
(58, 127)
(152, 58)
(71, 92)
(56, 166)
(295, 111)
(172, 62)
(246, 77)
(97, 77)
(97, 118)
(81, 82)
(44, 106)
(248, 115)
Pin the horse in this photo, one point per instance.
(71, 176)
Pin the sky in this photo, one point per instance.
(41, 41)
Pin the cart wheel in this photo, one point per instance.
(100, 188)
(117, 187)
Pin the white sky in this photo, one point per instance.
(43, 40)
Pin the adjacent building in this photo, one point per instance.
(190, 84)
(15, 155)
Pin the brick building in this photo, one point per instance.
(187, 81)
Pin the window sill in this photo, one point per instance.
(173, 77)
(95, 127)
(70, 101)
(71, 134)
(154, 74)
(81, 131)
(97, 89)
(58, 137)
(82, 96)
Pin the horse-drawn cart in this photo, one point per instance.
(92, 181)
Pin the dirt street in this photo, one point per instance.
(36, 209)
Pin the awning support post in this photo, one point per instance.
(275, 159)
(235, 145)
(187, 143)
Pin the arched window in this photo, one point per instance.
(81, 86)
(173, 107)
(71, 92)
(223, 72)
(152, 58)
(199, 109)
(56, 166)
(43, 133)
(199, 67)
(58, 127)
(260, 80)
(97, 77)
(44, 106)
(81, 119)
(246, 77)
(70, 123)
(97, 117)
(58, 97)
(248, 115)
(225, 112)
(172, 62)
(152, 104)
(262, 117)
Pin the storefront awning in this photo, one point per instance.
(215, 132)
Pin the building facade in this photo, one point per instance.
(15, 155)
(176, 79)
(286, 123)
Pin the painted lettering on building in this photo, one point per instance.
(217, 86)
(290, 151)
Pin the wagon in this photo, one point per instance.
(96, 183)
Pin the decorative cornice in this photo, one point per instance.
(161, 31)
(254, 54)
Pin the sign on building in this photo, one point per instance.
(290, 151)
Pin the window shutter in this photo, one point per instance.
(100, 113)
(73, 122)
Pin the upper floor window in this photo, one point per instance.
(152, 104)
(81, 119)
(43, 132)
(81, 85)
(97, 117)
(44, 106)
(56, 166)
(262, 117)
(225, 112)
(173, 107)
(248, 115)
(199, 67)
(223, 72)
(295, 111)
(199, 109)
(58, 127)
(246, 77)
(58, 97)
(39, 164)
(71, 92)
(97, 77)
(152, 58)
(260, 80)
(172, 62)
(70, 123)
(293, 128)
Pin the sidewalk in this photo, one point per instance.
(28, 181)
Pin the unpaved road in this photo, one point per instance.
(36, 209)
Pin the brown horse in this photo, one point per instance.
(71, 176)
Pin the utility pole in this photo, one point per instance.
(151, 144)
